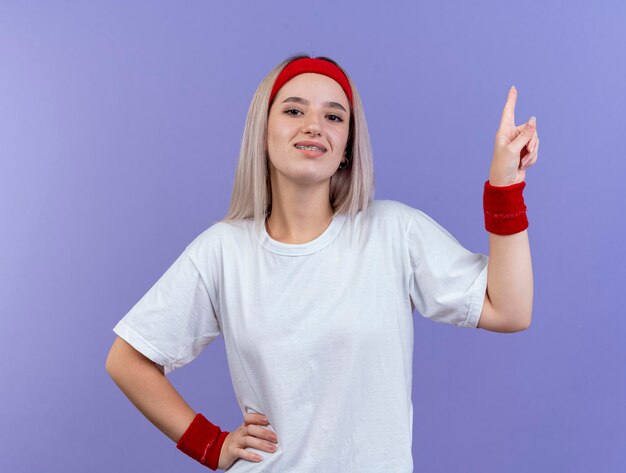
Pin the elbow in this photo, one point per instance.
(116, 358)
(524, 324)
(108, 365)
(514, 323)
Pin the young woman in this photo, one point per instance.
(313, 285)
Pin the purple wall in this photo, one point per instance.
(120, 127)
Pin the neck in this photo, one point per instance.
(299, 214)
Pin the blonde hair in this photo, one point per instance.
(351, 189)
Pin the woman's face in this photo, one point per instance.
(310, 107)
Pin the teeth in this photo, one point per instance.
(312, 148)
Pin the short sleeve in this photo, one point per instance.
(175, 320)
(448, 282)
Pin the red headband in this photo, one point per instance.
(319, 66)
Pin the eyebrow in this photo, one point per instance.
(306, 102)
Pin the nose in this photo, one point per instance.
(311, 125)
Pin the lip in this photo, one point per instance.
(311, 143)
(311, 153)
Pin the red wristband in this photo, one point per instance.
(203, 441)
(504, 208)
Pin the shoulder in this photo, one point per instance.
(415, 223)
(210, 242)
(385, 207)
(394, 211)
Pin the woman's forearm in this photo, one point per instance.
(149, 390)
(510, 277)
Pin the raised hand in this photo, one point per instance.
(516, 147)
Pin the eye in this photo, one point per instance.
(334, 118)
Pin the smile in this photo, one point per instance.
(311, 148)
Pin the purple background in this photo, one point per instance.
(120, 127)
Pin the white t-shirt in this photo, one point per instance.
(319, 335)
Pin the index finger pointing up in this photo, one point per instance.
(508, 114)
